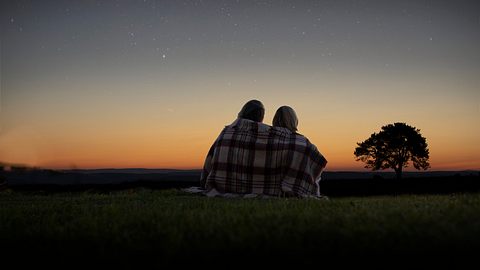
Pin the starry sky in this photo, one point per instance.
(95, 84)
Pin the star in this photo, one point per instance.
(164, 56)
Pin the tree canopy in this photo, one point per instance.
(393, 147)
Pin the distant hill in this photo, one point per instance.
(99, 177)
(334, 183)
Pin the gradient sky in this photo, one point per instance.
(92, 84)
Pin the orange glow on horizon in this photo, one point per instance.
(185, 150)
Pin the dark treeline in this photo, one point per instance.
(335, 184)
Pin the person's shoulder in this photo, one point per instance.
(246, 124)
(299, 135)
(302, 139)
(287, 133)
(263, 126)
(309, 143)
(281, 130)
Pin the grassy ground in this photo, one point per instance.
(169, 226)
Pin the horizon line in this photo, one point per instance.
(60, 168)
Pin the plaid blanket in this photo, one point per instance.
(254, 158)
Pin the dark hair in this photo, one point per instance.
(252, 110)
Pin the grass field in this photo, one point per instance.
(170, 226)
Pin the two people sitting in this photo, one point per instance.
(250, 157)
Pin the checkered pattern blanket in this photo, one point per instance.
(254, 158)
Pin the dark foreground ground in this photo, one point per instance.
(141, 226)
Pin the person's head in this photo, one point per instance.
(252, 110)
(286, 117)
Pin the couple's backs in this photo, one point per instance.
(251, 157)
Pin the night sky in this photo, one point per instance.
(151, 83)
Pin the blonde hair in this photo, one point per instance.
(286, 117)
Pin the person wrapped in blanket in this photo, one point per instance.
(250, 157)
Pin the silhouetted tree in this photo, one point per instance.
(393, 147)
